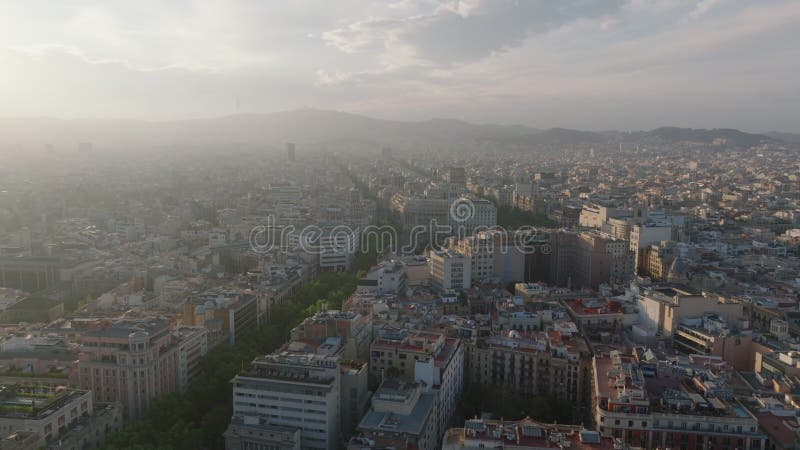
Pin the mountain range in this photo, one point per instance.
(323, 127)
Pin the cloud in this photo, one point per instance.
(41, 51)
(532, 61)
(702, 7)
(462, 31)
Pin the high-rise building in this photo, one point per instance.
(290, 153)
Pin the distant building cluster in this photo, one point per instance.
(646, 292)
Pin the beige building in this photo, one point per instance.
(657, 260)
(662, 309)
(131, 362)
(492, 256)
(588, 259)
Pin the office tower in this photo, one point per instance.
(290, 155)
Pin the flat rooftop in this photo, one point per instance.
(34, 402)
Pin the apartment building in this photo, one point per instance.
(479, 214)
(524, 434)
(450, 271)
(413, 211)
(192, 346)
(532, 363)
(354, 329)
(594, 215)
(672, 409)
(402, 416)
(395, 353)
(225, 315)
(131, 362)
(662, 309)
(646, 234)
(587, 259)
(492, 256)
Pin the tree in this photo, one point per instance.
(198, 418)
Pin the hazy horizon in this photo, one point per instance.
(418, 120)
(611, 65)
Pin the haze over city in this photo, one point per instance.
(400, 225)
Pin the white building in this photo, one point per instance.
(193, 345)
(291, 391)
(479, 214)
(388, 278)
(335, 242)
(493, 255)
(450, 271)
(445, 372)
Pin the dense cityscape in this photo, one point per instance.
(399, 225)
(618, 291)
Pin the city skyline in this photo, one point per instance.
(403, 224)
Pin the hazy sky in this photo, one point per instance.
(604, 64)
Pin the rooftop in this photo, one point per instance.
(34, 402)
(525, 433)
(390, 421)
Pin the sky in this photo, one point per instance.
(596, 65)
